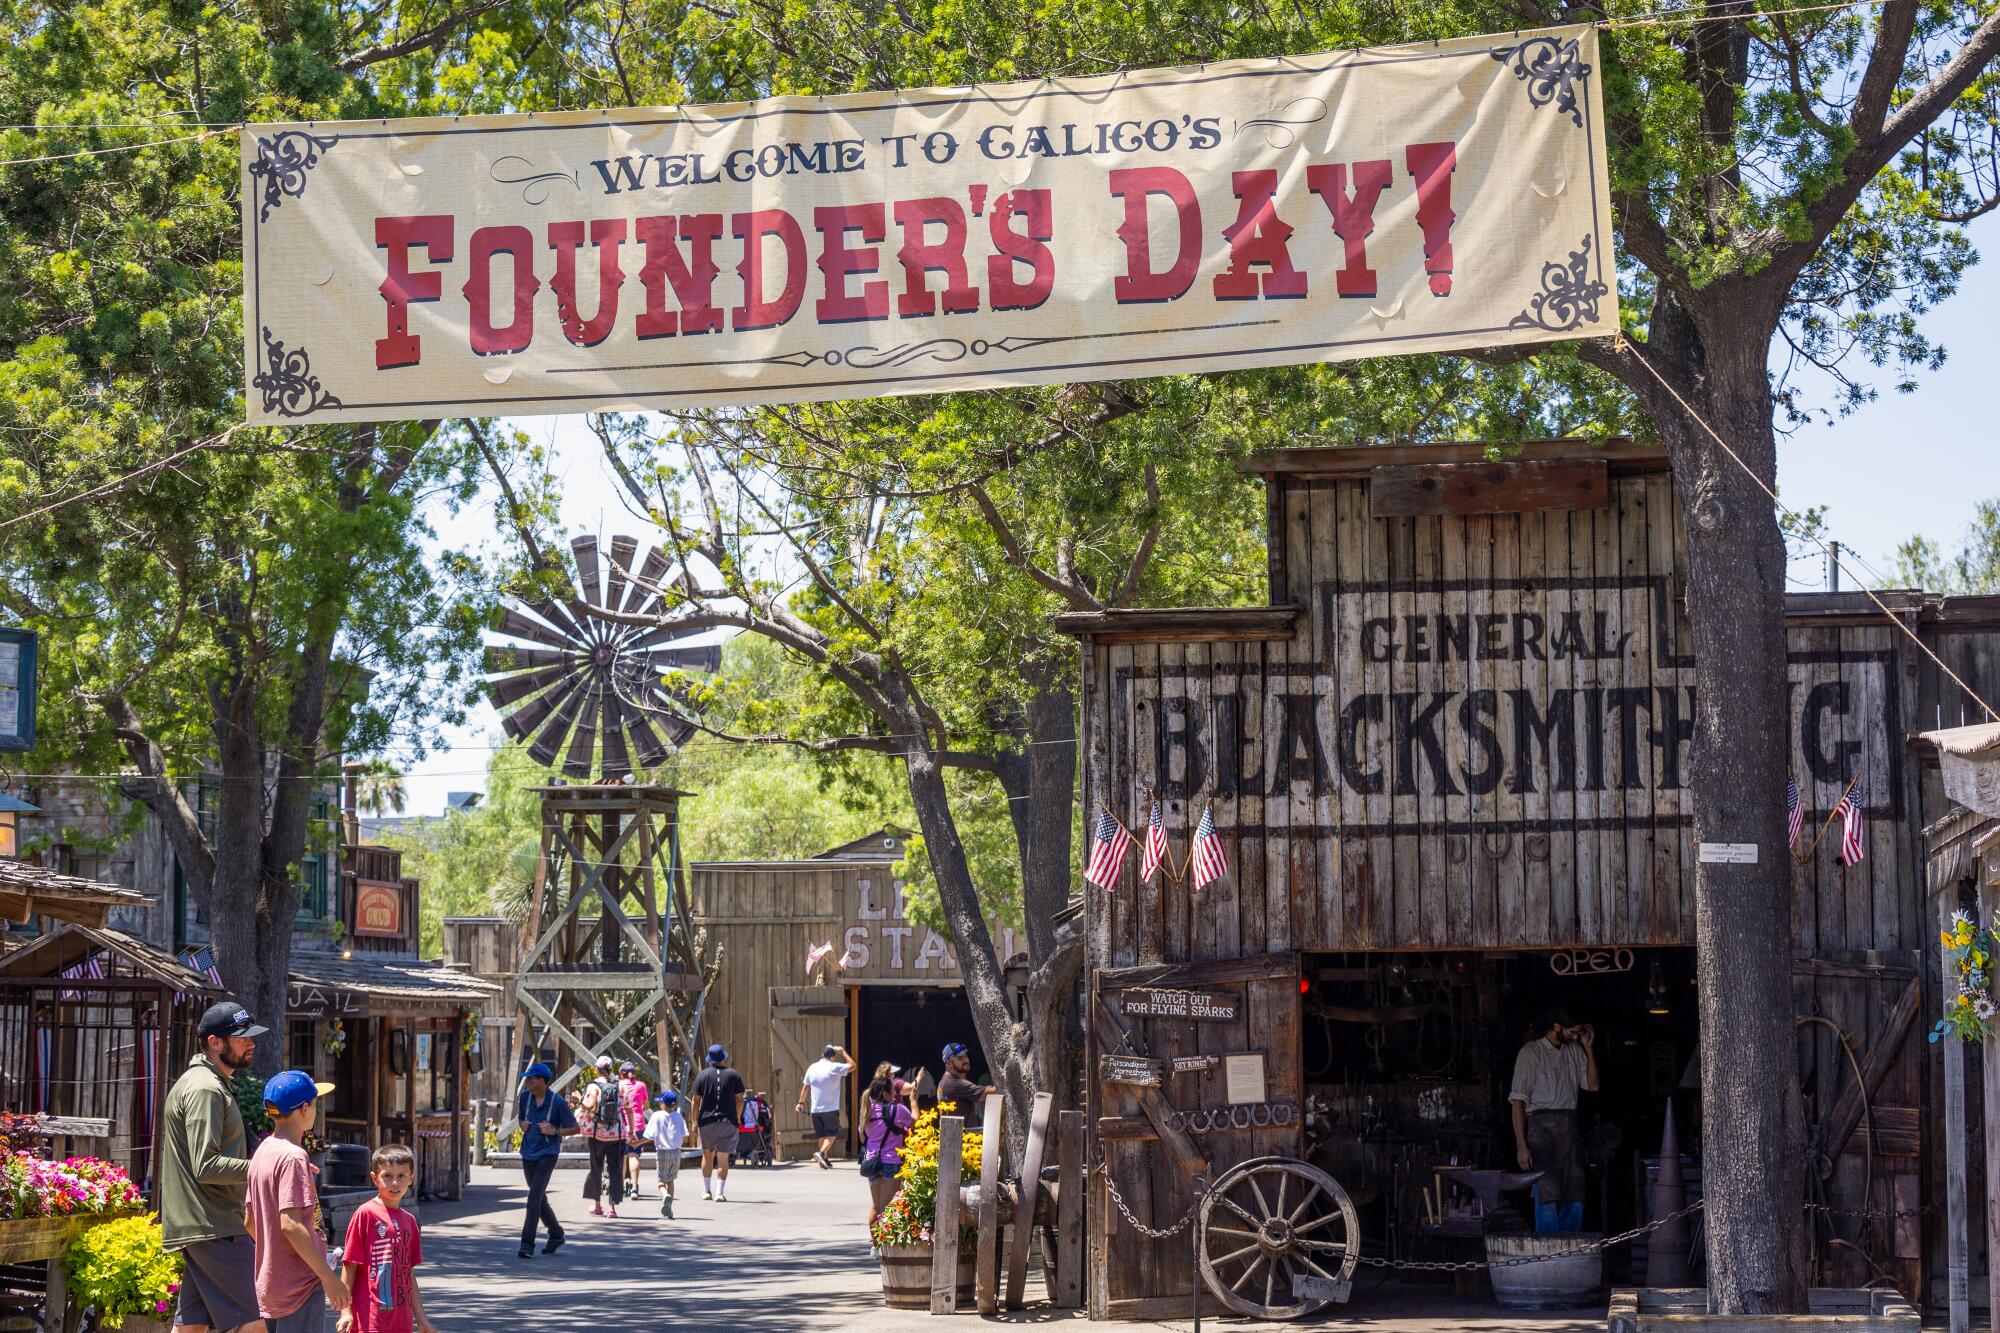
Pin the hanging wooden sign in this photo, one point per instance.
(1195, 1064)
(1132, 1070)
(1197, 1006)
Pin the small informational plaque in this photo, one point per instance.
(1198, 1006)
(1195, 1064)
(1306, 1287)
(1728, 853)
(1243, 1077)
(1134, 1070)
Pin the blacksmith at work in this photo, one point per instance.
(1558, 1061)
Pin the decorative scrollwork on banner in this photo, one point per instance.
(1569, 296)
(1279, 131)
(1552, 69)
(535, 187)
(289, 387)
(282, 163)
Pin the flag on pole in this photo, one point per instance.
(1156, 845)
(1795, 812)
(1853, 832)
(1208, 858)
(1109, 846)
(817, 955)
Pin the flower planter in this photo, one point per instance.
(139, 1323)
(29, 1240)
(906, 1274)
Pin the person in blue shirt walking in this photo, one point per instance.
(545, 1120)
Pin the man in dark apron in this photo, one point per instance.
(1557, 1063)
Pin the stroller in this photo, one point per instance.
(755, 1137)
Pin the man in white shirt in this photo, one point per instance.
(1552, 1068)
(822, 1084)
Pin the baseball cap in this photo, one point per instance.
(668, 1097)
(953, 1048)
(292, 1089)
(538, 1070)
(604, 1062)
(226, 1018)
(717, 1055)
(828, 1051)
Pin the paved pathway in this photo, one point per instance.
(789, 1251)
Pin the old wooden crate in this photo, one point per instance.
(1834, 1310)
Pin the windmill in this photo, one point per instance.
(587, 689)
(590, 693)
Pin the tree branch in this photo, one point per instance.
(1129, 586)
(423, 41)
(1075, 594)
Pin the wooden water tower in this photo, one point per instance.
(611, 962)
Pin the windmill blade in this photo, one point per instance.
(549, 743)
(559, 617)
(622, 551)
(617, 763)
(512, 689)
(518, 626)
(502, 658)
(523, 721)
(664, 707)
(583, 744)
(645, 587)
(646, 741)
(707, 659)
(652, 638)
(591, 586)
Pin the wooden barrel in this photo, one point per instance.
(906, 1275)
(1557, 1283)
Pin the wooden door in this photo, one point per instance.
(1182, 1022)
(804, 1021)
(1863, 1114)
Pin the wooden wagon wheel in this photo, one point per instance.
(1268, 1220)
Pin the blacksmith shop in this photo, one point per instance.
(1448, 768)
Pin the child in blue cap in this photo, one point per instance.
(666, 1130)
(295, 1283)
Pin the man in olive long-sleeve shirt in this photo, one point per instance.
(203, 1177)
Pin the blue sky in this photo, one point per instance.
(1904, 464)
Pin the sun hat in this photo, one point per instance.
(717, 1055)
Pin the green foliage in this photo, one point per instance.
(119, 1269)
(249, 1090)
(1973, 568)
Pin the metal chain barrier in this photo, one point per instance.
(1103, 1169)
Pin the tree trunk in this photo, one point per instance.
(1752, 1131)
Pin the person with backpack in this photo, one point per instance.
(885, 1123)
(638, 1102)
(605, 1112)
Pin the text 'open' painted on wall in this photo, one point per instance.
(1249, 213)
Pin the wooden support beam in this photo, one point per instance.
(1066, 1290)
(944, 1233)
(1408, 489)
(1031, 1184)
(1112, 1035)
(986, 1280)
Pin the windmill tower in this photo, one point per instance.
(610, 961)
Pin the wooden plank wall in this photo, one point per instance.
(1373, 795)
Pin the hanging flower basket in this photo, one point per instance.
(1971, 954)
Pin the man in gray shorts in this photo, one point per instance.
(204, 1176)
(718, 1102)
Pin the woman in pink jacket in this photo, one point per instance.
(633, 1089)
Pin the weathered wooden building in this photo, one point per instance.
(1449, 762)
(887, 989)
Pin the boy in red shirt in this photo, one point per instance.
(382, 1253)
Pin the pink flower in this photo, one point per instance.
(161, 1307)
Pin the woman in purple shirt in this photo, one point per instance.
(884, 1124)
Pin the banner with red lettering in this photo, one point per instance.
(1436, 197)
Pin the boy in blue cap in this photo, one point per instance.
(295, 1283)
(545, 1120)
(666, 1130)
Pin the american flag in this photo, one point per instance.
(1208, 859)
(1156, 845)
(1853, 831)
(92, 968)
(817, 955)
(1109, 846)
(203, 961)
(1795, 812)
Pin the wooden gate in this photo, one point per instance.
(1195, 1067)
(1862, 1114)
(804, 1021)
